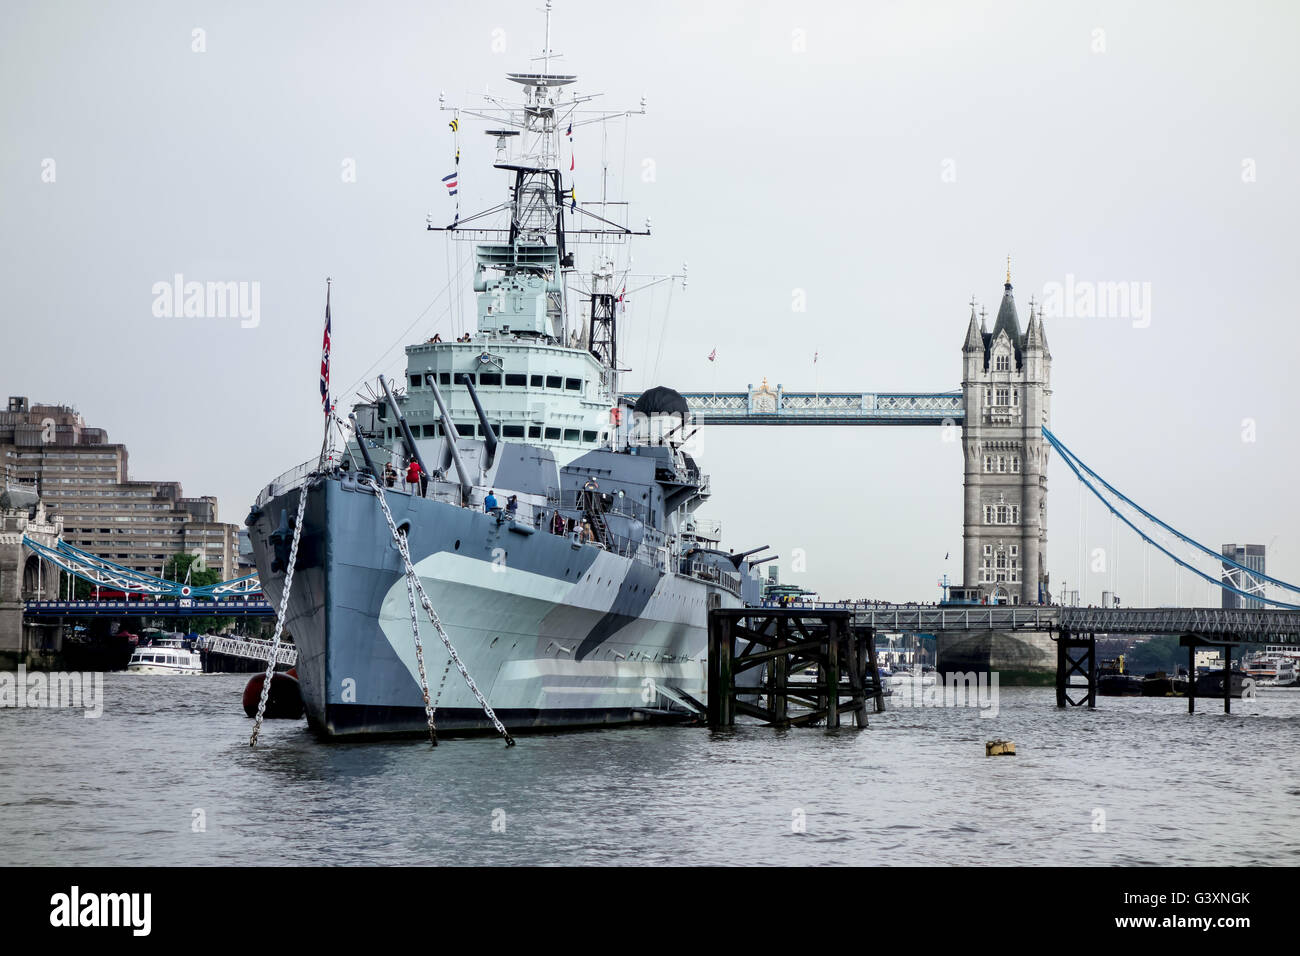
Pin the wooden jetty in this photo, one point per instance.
(761, 653)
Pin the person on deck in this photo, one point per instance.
(557, 523)
(390, 474)
(512, 505)
(490, 502)
(415, 477)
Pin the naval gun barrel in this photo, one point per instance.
(449, 430)
(489, 435)
(737, 558)
(410, 439)
(361, 443)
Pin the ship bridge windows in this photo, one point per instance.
(536, 381)
(444, 378)
(534, 431)
(512, 431)
(573, 384)
(571, 434)
(416, 381)
(554, 381)
(490, 378)
(516, 381)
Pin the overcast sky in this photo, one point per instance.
(883, 158)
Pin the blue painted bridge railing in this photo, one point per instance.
(766, 405)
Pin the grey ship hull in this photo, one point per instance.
(555, 634)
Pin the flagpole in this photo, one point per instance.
(326, 348)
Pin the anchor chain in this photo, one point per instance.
(419, 658)
(413, 580)
(279, 618)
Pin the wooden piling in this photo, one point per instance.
(780, 643)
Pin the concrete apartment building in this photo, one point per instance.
(83, 478)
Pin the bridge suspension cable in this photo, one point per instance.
(108, 574)
(1079, 468)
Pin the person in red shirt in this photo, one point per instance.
(416, 477)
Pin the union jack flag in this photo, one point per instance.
(325, 357)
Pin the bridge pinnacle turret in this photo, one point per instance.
(974, 332)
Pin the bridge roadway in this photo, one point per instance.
(182, 607)
(775, 406)
(1241, 626)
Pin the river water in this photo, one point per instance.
(165, 776)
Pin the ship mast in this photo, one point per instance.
(521, 266)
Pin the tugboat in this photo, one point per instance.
(1113, 682)
(552, 519)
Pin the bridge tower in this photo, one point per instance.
(1006, 385)
(23, 513)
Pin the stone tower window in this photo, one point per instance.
(1002, 363)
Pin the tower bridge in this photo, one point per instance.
(1002, 409)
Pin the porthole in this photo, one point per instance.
(457, 544)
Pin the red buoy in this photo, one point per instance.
(283, 703)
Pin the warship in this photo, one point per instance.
(555, 531)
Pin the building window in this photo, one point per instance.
(1002, 560)
(1015, 550)
(1015, 514)
(988, 550)
(1002, 464)
(988, 463)
(988, 514)
(1015, 464)
(1004, 396)
(1015, 397)
(1002, 364)
(1002, 514)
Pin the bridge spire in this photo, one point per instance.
(974, 331)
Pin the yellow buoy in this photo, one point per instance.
(998, 748)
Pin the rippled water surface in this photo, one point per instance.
(914, 788)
